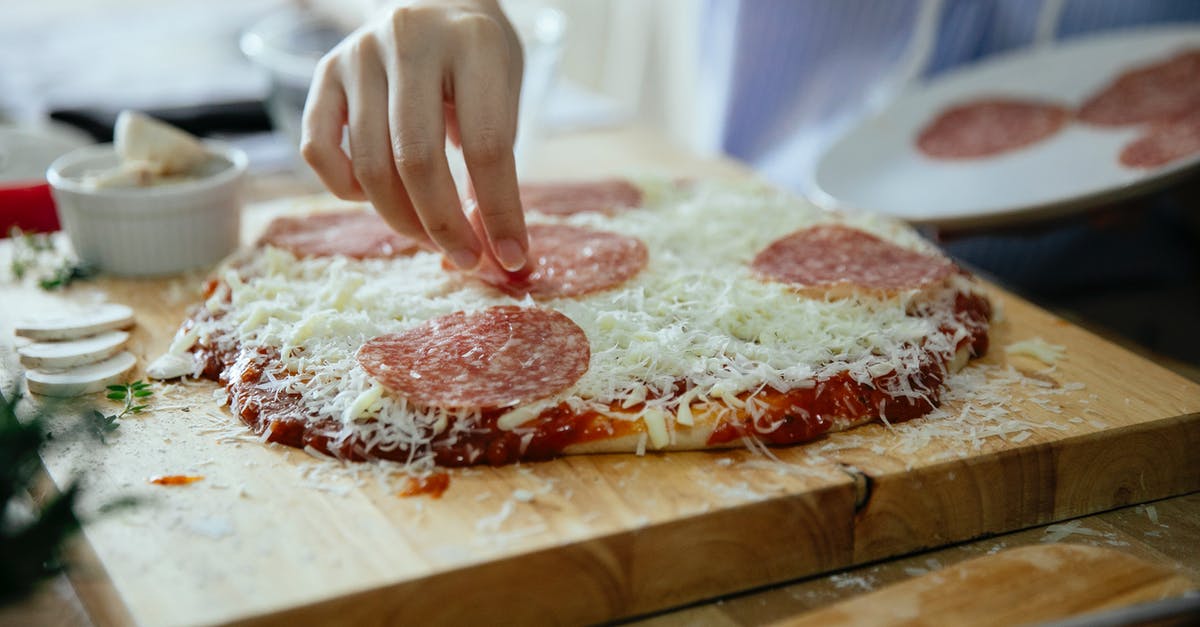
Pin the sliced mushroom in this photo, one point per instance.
(82, 379)
(106, 317)
(71, 353)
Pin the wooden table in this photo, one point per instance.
(1165, 532)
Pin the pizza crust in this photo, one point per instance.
(707, 417)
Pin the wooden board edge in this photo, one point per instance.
(85, 572)
(1025, 585)
(618, 575)
(958, 500)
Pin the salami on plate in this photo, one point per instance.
(989, 127)
(1154, 92)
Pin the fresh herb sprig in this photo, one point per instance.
(32, 544)
(64, 275)
(131, 394)
(32, 252)
(27, 248)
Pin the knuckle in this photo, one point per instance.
(413, 16)
(371, 170)
(487, 147)
(312, 151)
(439, 230)
(414, 156)
(478, 27)
(365, 46)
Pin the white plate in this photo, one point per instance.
(876, 167)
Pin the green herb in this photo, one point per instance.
(31, 544)
(64, 275)
(32, 252)
(99, 424)
(130, 393)
(26, 250)
(32, 536)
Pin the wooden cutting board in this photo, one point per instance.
(271, 535)
(1025, 586)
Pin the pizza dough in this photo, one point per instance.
(989, 127)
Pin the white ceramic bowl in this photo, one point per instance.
(149, 231)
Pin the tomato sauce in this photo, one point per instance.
(791, 417)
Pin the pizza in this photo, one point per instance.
(659, 316)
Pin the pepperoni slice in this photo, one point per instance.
(1148, 93)
(560, 199)
(496, 357)
(570, 261)
(357, 234)
(1165, 142)
(985, 128)
(833, 254)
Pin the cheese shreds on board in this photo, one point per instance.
(1038, 349)
(694, 318)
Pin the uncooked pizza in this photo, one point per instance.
(657, 316)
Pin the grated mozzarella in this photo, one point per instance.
(694, 315)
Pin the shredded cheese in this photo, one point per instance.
(1038, 349)
(695, 315)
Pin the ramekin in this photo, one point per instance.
(148, 231)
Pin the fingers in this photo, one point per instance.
(438, 71)
(418, 135)
(370, 146)
(325, 114)
(485, 106)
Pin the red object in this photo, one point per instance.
(563, 199)
(989, 127)
(837, 255)
(357, 234)
(495, 357)
(569, 261)
(1148, 93)
(27, 206)
(1164, 142)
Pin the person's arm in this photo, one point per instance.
(402, 83)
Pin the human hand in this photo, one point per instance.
(404, 82)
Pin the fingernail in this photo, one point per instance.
(464, 258)
(510, 255)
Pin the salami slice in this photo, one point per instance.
(493, 358)
(833, 254)
(985, 128)
(560, 199)
(570, 261)
(1165, 142)
(357, 234)
(1149, 93)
